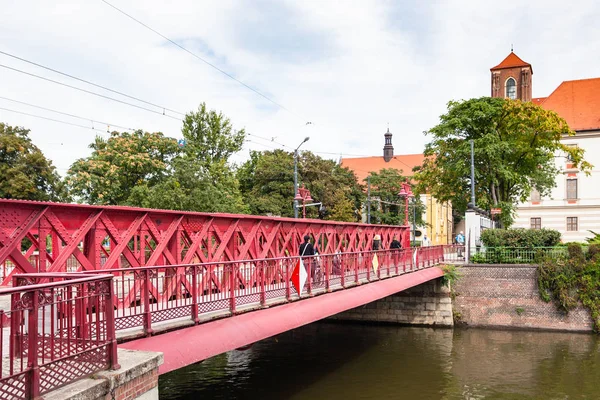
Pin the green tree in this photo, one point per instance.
(25, 173)
(386, 206)
(210, 137)
(201, 177)
(267, 182)
(119, 164)
(515, 145)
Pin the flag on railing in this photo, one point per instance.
(375, 263)
(299, 276)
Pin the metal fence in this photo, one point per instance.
(59, 328)
(151, 296)
(514, 255)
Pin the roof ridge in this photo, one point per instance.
(580, 80)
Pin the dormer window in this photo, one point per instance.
(511, 88)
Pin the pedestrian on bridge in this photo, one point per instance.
(377, 245)
(395, 243)
(308, 252)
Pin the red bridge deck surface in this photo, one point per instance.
(190, 345)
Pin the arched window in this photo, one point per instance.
(511, 88)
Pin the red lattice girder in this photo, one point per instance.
(159, 237)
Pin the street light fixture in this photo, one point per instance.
(304, 196)
(296, 194)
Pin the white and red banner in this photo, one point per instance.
(299, 276)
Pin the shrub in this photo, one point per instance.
(526, 238)
(572, 279)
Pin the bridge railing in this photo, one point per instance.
(55, 332)
(149, 296)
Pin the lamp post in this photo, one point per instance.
(296, 177)
(407, 194)
(304, 195)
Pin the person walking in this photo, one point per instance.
(395, 243)
(425, 242)
(377, 243)
(460, 241)
(307, 252)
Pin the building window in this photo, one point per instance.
(571, 189)
(535, 196)
(572, 224)
(511, 89)
(536, 223)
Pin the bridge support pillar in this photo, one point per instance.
(426, 304)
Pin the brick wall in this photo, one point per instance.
(507, 296)
(426, 304)
(137, 387)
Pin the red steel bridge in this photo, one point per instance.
(87, 279)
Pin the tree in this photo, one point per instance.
(119, 164)
(515, 145)
(386, 206)
(210, 137)
(25, 173)
(201, 177)
(267, 183)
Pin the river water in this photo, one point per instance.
(350, 361)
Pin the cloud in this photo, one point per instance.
(349, 67)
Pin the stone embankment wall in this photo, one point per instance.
(426, 304)
(507, 296)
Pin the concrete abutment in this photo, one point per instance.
(426, 304)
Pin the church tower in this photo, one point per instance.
(388, 149)
(512, 78)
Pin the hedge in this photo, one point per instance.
(523, 238)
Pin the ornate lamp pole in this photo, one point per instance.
(407, 194)
(304, 195)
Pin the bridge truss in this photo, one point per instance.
(37, 237)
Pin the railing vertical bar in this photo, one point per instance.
(32, 349)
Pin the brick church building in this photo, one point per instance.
(573, 206)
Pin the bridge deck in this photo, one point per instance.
(196, 343)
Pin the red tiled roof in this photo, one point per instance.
(511, 61)
(364, 165)
(578, 102)
(538, 100)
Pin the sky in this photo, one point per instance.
(349, 68)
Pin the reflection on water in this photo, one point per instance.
(345, 361)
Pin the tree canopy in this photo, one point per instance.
(386, 206)
(119, 164)
(267, 183)
(25, 173)
(515, 146)
(200, 177)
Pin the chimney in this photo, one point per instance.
(388, 149)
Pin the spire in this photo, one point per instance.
(388, 149)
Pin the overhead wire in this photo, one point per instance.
(49, 119)
(201, 59)
(89, 92)
(90, 83)
(67, 114)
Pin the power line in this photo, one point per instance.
(201, 59)
(67, 114)
(89, 83)
(272, 140)
(49, 119)
(89, 92)
(261, 144)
